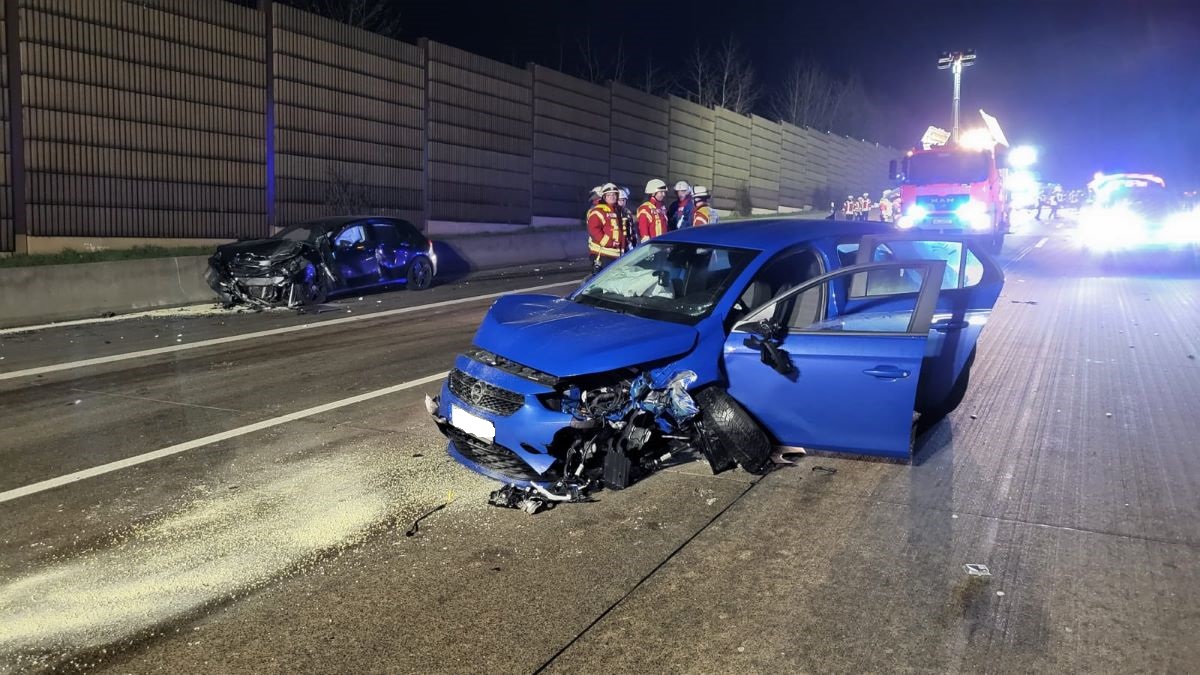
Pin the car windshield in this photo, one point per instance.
(947, 167)
(678, 282)
(301, 232)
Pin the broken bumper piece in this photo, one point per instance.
(616, 436)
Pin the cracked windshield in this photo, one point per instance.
(368, 336)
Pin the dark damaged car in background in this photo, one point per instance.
(735, 342)
(304, 263)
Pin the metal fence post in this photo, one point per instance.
(267, 8)
(16, 127)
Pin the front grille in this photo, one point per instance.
(244, 266)
(484, 396)
(942, 203)
(492, 457)
(510, 366)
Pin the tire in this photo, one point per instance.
(311, 293)
(737, 432)
(420, 275)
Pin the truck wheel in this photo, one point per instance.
(735, 430)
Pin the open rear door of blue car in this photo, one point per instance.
(970, 286)
(820, 377)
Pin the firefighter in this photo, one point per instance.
(1056, 199)
(679, 213)
(864, 207)
(850, 208)
(704, 214)
(885, 208)
(651, 216)
(606, 241)
(628, 222)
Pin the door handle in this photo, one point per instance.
(887, 372)
(947, 326)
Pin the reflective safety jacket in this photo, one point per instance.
(606, 237)
(704, 216)
(651, 220)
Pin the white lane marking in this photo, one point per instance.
(54, 368)
(76, 476)
(1042, 242)
(160, 312)
(1015, 259)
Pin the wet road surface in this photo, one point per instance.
(274, 540)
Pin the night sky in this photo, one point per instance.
(1097, 85)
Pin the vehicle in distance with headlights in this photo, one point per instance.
(304, 263)
(1135, 212)
(730, 340)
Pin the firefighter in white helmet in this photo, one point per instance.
(704, 214)
(651, 216)
(679, 213)
(606, 237)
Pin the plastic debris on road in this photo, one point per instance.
(977, 570)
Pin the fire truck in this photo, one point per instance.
(956, 187)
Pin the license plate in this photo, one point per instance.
(472, 424)
(942, 221)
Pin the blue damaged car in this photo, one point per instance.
(735, 342)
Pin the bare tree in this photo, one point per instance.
(598, 65)
(721, 76)
(654, 79)
(377, 16)
(807, 97)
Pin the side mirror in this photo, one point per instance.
(893, 170)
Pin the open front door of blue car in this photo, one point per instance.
(817, 377)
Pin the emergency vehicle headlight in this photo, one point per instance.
(1183, 228)
(917, 212)
(975, 215)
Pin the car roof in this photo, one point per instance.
(773, 234)
(338, 221)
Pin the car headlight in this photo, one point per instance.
(1112, 228)
(974, 215)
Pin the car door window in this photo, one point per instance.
(409, 233)
(351, 237)
(806, 310)
(963, 267)
(786, 271)
(386, 234)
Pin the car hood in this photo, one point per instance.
(565, 338)
(260, 248)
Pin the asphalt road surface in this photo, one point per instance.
(210, 492)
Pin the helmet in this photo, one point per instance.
(609, 187)
(624, 194)
(700, 191)
(654, 186)
(596, 191)
(683, 185)
(866, 194)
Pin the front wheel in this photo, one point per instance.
(310, 292)
(732, 427)
(420, 275)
